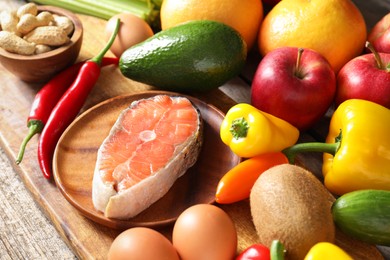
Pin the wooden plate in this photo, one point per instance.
(76, 152)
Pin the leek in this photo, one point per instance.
(149, 10)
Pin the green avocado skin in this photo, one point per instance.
(194, 56)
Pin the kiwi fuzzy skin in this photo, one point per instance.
(290, 204)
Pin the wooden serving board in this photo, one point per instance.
(88, 239)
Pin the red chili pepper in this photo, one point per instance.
(255, 252)
(106, 61)
(68, 108)
(47, 98)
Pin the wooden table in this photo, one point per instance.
(87, 239)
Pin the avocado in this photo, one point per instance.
(194, 56)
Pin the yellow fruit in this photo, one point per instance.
(243, 15)
(334, 28)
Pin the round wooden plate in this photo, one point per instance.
(76, 152)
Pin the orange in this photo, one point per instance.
(243, 15)
(334, 28)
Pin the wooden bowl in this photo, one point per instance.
(41, 67)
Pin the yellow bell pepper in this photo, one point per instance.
(357, 150)
(325, 251)
(250, 132)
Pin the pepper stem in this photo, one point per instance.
(34, 127)
(98, 58)
(330, 148)
(239, 128)
(277, 250)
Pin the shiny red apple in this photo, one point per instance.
(379, 35)
(365, 77)
(294, 84)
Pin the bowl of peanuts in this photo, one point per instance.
(36, 42)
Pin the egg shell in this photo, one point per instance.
(141, 243)
(205, 232)
(132, 30)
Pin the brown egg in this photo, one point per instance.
(204, 232)
(141, 244)
(132, 30)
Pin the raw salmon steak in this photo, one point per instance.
(153, 142)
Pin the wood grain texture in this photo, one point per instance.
(87, 239)
(25, 233)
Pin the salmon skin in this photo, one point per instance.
(153, 142)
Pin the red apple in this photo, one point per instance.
(379, 35)
(294, 84)
(365, 77)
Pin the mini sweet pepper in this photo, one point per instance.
(357, 149)
(237, 183)
(250, 132)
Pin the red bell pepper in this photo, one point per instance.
(255, 252)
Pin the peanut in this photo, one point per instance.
(64, 22)
(29, 8)
(28, 22)
(13, 43)
(40, 48)
(8, 21)
(47, 35)
(40, 30)
(44, 18)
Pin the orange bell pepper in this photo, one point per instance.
(237, 183)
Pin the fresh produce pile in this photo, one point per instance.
(307, 68)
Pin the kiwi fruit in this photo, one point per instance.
(290, 204)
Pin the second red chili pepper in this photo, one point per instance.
(68, 108)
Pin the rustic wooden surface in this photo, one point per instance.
(87, 239)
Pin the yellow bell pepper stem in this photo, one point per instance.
(360, 157)
(250, 132)
(326, 250)
(330, 148)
